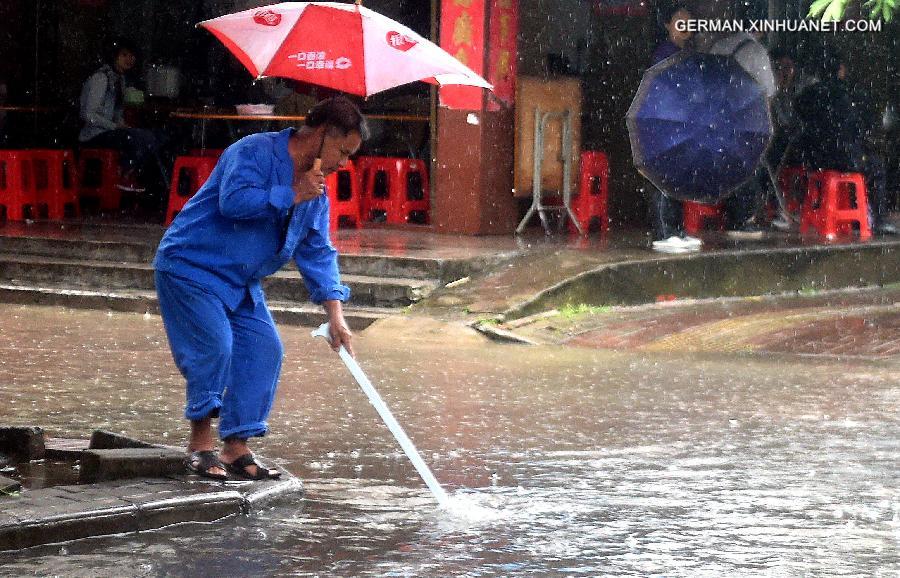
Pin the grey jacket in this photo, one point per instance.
(751, 55)
(101, 109)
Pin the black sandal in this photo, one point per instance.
(203, 462)
(239, 468)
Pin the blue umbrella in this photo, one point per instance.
(699, 126)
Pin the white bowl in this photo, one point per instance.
(255, 108)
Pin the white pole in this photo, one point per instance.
(386, 416)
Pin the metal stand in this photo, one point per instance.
(540, 122)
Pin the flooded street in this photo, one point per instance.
(560, 461)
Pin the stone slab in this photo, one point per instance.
(120, 506)
(8, 486)
(107, 440)
(64, 448)
(22, 443)
(99, 465)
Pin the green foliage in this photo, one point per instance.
(572, 311)
(834, 9)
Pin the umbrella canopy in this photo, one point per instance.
(699, 126)
(346, 47)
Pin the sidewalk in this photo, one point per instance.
(45, 505)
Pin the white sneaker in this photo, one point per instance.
(692, 241)
(674, 244)
(782, 224)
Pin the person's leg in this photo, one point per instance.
(665, 214)
(140, 147)
(743, 206)
(256, 365)
(200, 339)
(116, 139)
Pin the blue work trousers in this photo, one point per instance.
(231, 360)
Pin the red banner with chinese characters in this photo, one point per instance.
(503, 51)
(462, 35)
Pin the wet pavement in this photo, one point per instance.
(560, 460)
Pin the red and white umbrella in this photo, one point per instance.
(346, 47)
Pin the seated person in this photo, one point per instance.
(836, 126)
(101, 111)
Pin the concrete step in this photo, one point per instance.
(137, 252)
(283, 286)
(144, 301)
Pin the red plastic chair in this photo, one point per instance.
(395, 190)
(55, 182)
(98, 171)
(17, 195)
(188, 175)
(344, 198)
(698, 216)
(834, 202)
(591, 203)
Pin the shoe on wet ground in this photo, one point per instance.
(128, 182)
(239, 468)
(782, 224)
(747, 232)
(203, 463)
(885, 228)
(676, 244)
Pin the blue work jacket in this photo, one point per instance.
(239, 227)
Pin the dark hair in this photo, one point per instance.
(753, 10)
(780, 52)
(667, 11)
(830, 64)
(338, 112)
(117, 45)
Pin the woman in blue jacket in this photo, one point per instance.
(262, 205)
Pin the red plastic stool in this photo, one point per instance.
(395, 190)
(343, 198)
(698, 215)
(17, 195)
(834, 201)
(98, 171)
(590, 203)
(792, 182)
(188, 175)
(55, 182)
(206, 152)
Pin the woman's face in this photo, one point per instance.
(678, 37)
(124, 61)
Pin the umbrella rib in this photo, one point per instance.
(362, 44)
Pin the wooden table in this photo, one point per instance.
(204, 116)
(26, 108)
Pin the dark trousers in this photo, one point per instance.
(136, 146)
(665, 214)
(747, 200)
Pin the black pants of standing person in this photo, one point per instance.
(747, 200)
(665, 215)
